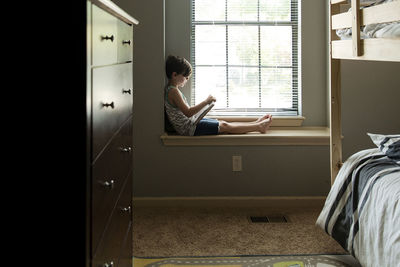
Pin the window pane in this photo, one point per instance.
(242, 10)
(210, 45)
(276, 88)
(275, 10)
(209, 10)
(276, 45)
(243, 87)
(211, 81)
(243, 45)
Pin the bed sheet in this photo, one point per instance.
(362, 210)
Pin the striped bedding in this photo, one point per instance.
(362, 210)
(376, 30)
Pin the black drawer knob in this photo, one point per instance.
(108, 104)
(126, 149)
(108, 38)
(129, 91)
(127, 209)
(128, 42)
(109, 184)
(111, 264)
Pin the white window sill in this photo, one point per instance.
(310, 136)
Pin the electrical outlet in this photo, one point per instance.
(236, 163)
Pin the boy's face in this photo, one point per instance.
(179, 79)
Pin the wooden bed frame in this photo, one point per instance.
(378, 49)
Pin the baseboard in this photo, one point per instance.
(285, 202)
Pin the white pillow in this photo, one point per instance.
(388, 144)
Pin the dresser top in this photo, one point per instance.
(115, 10)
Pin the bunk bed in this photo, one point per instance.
(362, 210)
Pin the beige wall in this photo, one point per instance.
(267, 170)
(370, 102)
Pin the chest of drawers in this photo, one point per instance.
(110, 53)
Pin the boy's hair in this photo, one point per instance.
(179, 65)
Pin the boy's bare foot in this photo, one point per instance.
(264, 125)
(264, 117)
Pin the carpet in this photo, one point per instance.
(250, 261)
(192, 232)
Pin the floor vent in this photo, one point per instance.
(276, 218)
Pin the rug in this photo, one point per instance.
(250, 261)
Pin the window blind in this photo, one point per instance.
(245, 53)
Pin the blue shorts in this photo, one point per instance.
(207, 126)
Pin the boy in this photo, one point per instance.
(179, 112)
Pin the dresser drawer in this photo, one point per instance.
(109, 172)
(125, 258)
(125, 44)
(111, 102)
(112, 241)
(104, 37)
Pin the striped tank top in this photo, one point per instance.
(182, 124)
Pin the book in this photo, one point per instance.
(199, 115)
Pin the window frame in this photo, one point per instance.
(294, 22)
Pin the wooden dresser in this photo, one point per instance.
(109, 116)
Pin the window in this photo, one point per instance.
(245, 53)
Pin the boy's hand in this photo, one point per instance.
(210, 99)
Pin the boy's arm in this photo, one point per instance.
(178, 101)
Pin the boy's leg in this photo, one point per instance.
(244, 127)
(237, 128)
(260, 125)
